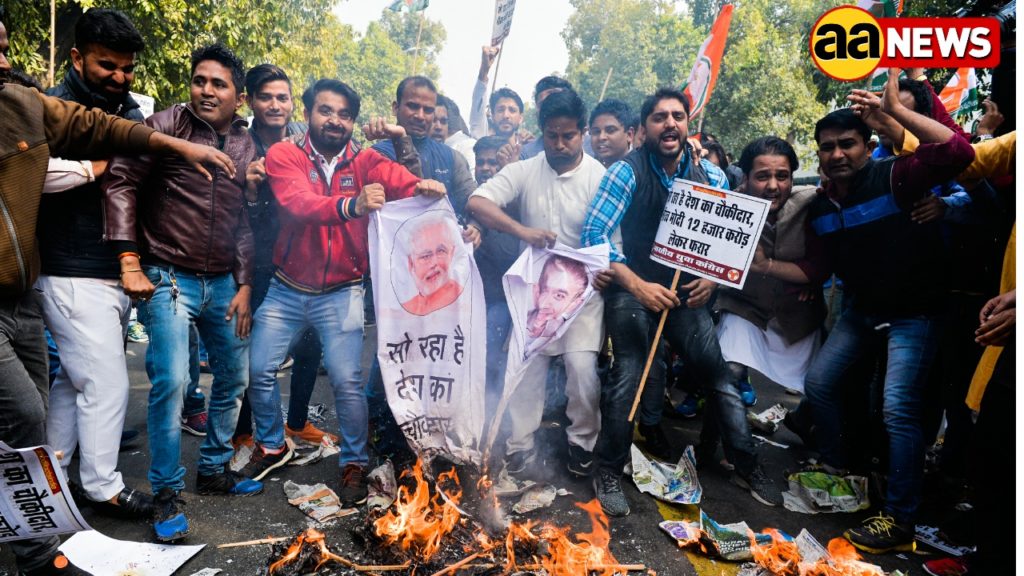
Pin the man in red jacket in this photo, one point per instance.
(325, 187)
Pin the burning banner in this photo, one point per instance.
(429, 302)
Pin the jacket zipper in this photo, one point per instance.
(9, 222)
(327, 263)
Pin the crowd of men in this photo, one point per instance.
(255, 238)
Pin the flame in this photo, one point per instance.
(310, 537)
(418, 522)
(589, 554)
(780, 557)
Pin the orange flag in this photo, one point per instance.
(702, 78)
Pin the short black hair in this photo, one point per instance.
(20, 78)
(455, 121)
(549, 83)
(260, 74)
(662, 94)
(225, 57)
(505, 93)
(564, 104)
(767, 146)
(842, 119)
(332, 85)
(922, 96)
(488, 143)
(109, 28)
(614, 107)
(417, 82)
(714, 147)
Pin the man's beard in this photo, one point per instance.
(6, 77)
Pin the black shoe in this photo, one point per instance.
(655, 441)
(260, 462)
(227, 482)
(517, 463)
(169, 523)
(608, 490)
(880, 534)
(581, 462)
(353, 485)
(59, 565)
(760, 485)
(130, 504)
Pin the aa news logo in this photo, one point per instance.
(848, 43)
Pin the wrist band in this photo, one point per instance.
(123, 254)
(123, 272)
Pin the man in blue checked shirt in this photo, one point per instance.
(632, 196)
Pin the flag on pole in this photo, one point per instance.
(882, 8)
(960, 96)
(704, 74)
(412, 5)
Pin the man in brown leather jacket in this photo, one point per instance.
(185, 248)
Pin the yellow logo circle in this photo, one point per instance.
(847, 43)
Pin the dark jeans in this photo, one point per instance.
(994, 457)
(910, 346)
(24, 388)
(691, 334)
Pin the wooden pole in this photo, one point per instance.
(53, 44)
(605, 87)
(416, 49)
(654, 350)
(497, 63)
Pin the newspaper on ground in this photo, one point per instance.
(676, 483)
(35, 499)
(768, 421)
(99, 554)
(727, 541)
(310, 453)
(381, 487)
(752, 569)
(537, 497)
(506, 486)
(207, 572)
(816, 492)
(933, 537)
(317, 501)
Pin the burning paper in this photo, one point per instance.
(768, 420)
(727, 541)
(537, 497)
(672, 483)
(814, 492)
(381, 486)
(99, 554)
(317, 501)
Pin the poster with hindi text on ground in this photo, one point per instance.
(709, 232)
(34, 497)
(431, 325)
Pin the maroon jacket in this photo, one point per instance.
(171, 212)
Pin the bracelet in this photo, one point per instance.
(123, 272)
(123, 254)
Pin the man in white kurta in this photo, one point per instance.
(553, 191)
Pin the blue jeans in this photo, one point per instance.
(181, 299)
(691, 334)
(911, 346)
(338, 319)
(499, 323)
(194, 402)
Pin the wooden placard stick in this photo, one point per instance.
(654, 350)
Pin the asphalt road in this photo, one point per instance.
(635, 538)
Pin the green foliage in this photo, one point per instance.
(302, 36)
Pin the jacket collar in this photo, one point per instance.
(238, 123)
(347, 155)
(83, 95)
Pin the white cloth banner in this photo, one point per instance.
(431, 326)
(709, 232)
(503, 10)
(35, 499)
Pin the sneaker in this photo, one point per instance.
(946, 567)
(581, 462)
(137, 333)
(690, 406)
(516, 463)
(130, 504)
(747, 393)
(58, 565)
(169, 523)
(655, 440)
(242, 440)
(880, 534)
(310, 433)
(195, 424)
(353, 485)
(227, 482)
(760, 485)
(262, 462)
(608, 488)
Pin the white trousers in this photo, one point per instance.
(582, 388)
(88, 319)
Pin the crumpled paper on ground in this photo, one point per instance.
(317, 501)
(816, 492)
(381, 486)
(506, 486)
(768, 421)
(727, 541)
(537, 497)
(677, 483)
(305, 452)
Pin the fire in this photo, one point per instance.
(781, 557)
(311, 537)
(564, 557)
(418, 522)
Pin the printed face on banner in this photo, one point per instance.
(429, 248)
(556, 296)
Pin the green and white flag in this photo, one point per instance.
(960, 95)
(412, 5)
(882, 8)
